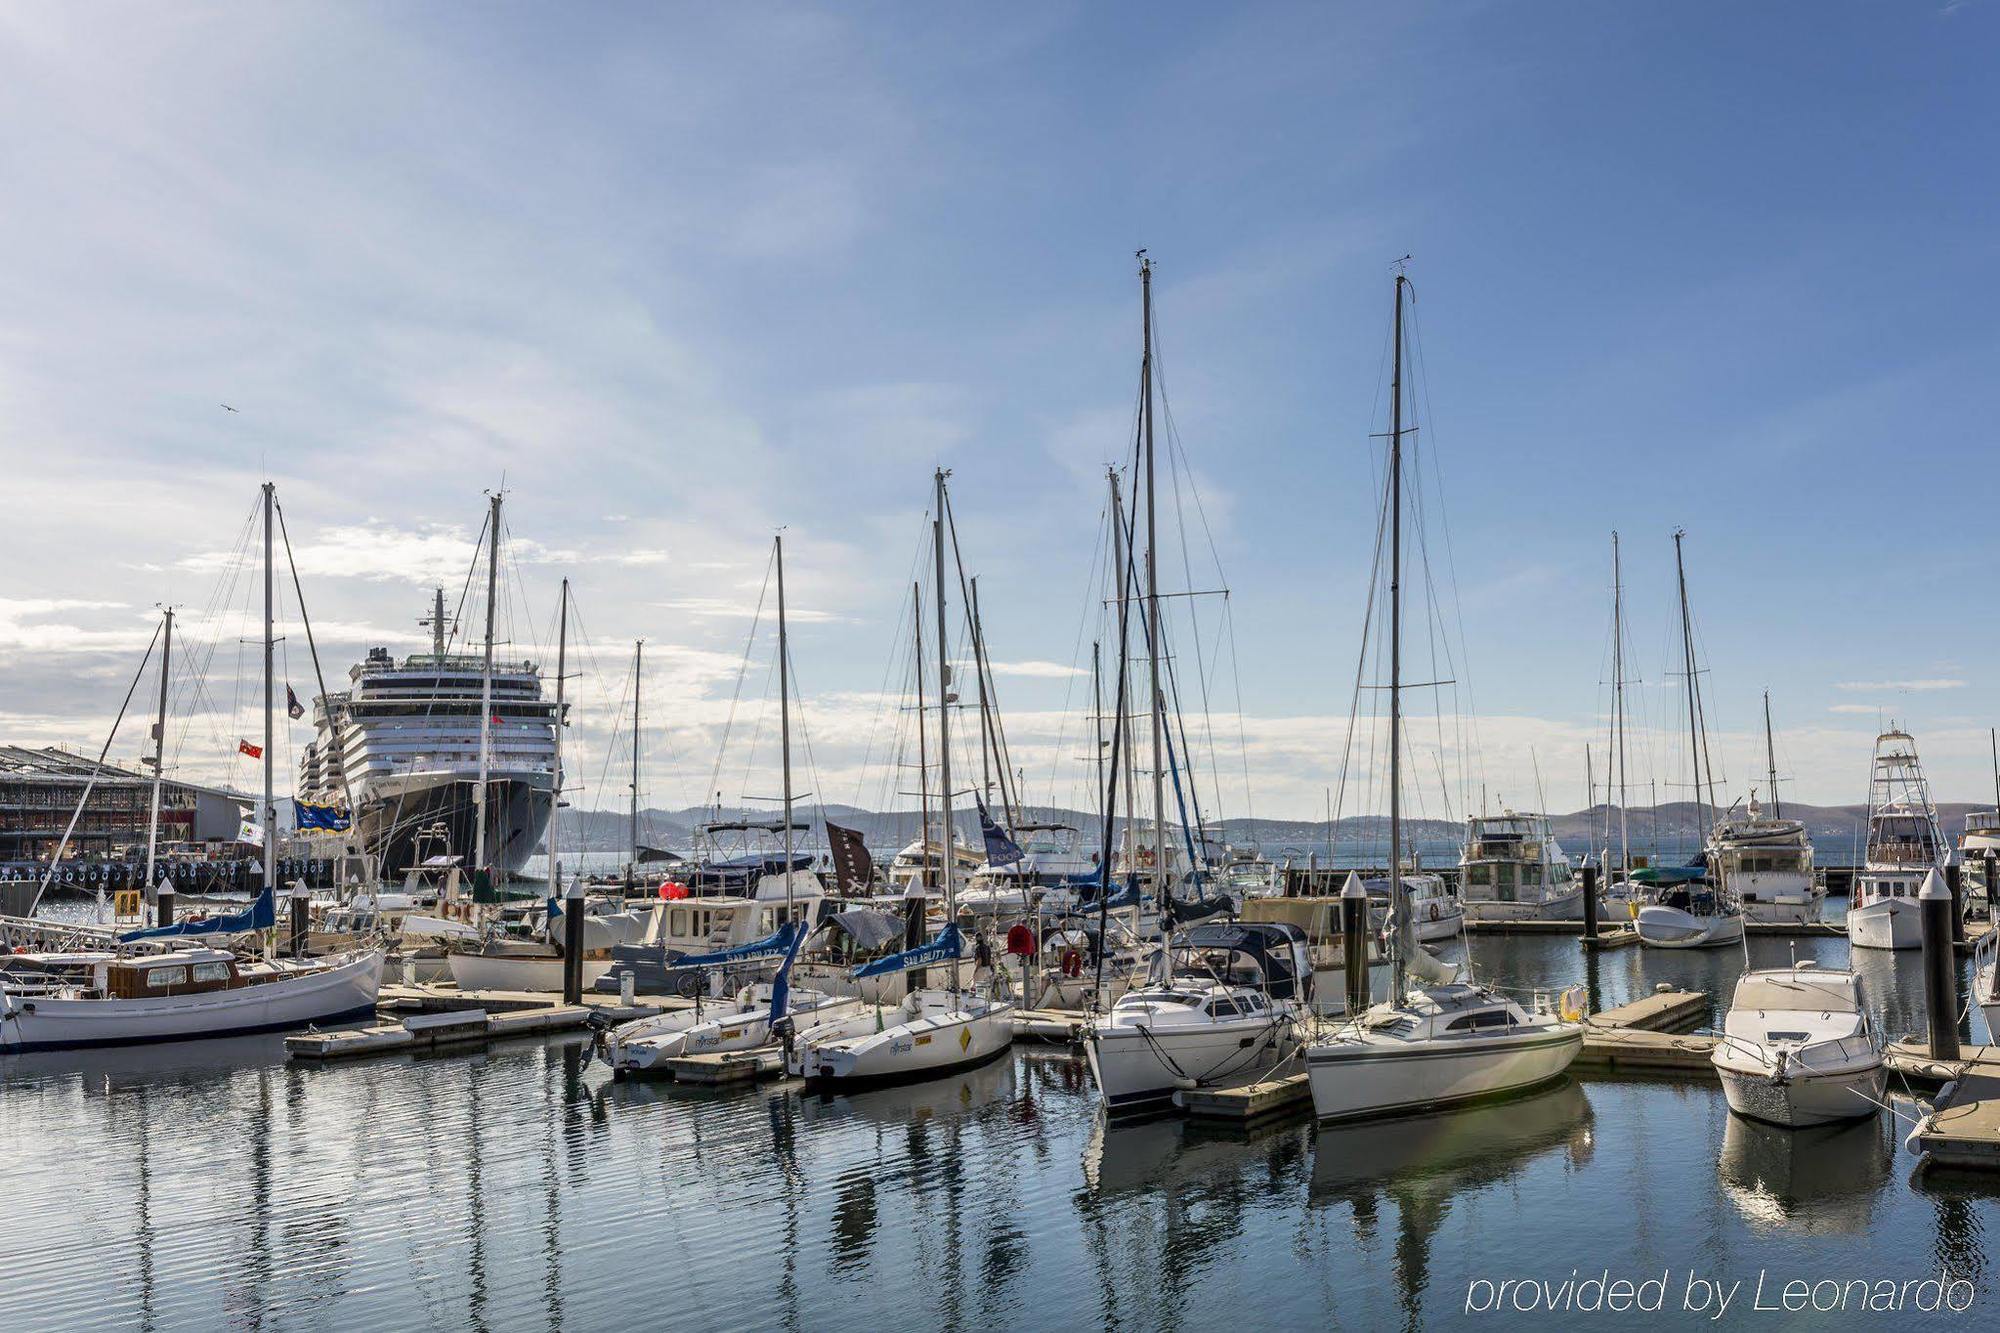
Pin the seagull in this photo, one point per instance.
(227, 408)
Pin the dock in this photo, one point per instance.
(727, 1067)
(1911, 1060)
(433, 1031)
(399, 999)
(1623, 937)
(1060, 1026)
(1963, 1131)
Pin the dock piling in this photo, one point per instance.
(1940, 967)
(1354, 943)
(1954, 880)
(1589, 900)
(301, 923)
(573, 944)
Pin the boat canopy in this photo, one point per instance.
(261, 914)
(1804, 990)
(1276, 947)
(868, 928)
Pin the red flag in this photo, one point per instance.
(254, 751)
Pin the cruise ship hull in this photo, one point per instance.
(517, 814)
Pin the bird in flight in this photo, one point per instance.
(227, 408)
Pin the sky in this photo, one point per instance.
(678, 276)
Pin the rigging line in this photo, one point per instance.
(611, 743)
(319, 675)
(1194, 616)
(1361, 664)
(204, 637)
(742, 670)
(990, 730)
(1091, 590)
(1242, 734)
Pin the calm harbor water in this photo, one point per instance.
(216, 1184)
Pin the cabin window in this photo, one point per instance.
(1505, 870)
(677, 922)
(1486, 1018)
(1255, 1003)
(1530, 875)
(160, 978)
(1478, 874)
(211, 971)
(1223, 1008)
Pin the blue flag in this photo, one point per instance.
(1001, 850)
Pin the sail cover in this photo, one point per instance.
(946, 948)
(775, 945)
(261, 914)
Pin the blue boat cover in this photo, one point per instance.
(781, 985)
(946, 948)
(261, 914)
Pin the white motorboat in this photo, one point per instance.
(507, 964)
(741, 1023)
(1798, 1048)
(182, 995)
(1986, 982)
(1434, 909)
(1767, 861)
(1229, 1008)
(1512, 869)
(1904, 845)
(1445, 1041)
(1692, 914)
(1246, 877)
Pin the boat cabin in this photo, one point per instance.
(184, 972)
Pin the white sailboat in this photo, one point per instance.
(1904, 845)
(1798, 1048)
(935, 1030)
(1444, 1041)
(1692, 910)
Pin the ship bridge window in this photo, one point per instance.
(1531, 875)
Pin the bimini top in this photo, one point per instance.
(1274, 946)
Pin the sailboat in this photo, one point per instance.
(1443, 1041)
(1690, 908)
(1621, 896)
(183, 993)
(935, 1030)
(1765, 858)
(1904, 845)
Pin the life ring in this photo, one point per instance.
(1072, 963)
(1434, 911)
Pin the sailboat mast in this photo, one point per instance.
(1771, 760)
(437, 624)
(1693, 704)
(923, 742)
(944, 719)
(1162, 885)
(1618, 710)
(1993, 741)
(270, 656)
(1122, 560)
(159, 751)
(556, 784)
(486, 687)
(1097, 717)
(638, 678)
(1396, 903)
(785, 716)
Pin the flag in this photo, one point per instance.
(1001, 850)
(853, 867)
(293, 707)
(250, 831)
(254, 751)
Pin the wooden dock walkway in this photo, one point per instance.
(399, 999)
(425, 1032)
(1963, 1131)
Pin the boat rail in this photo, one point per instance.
(37, 933)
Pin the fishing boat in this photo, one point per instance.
(1443, 1041)
(1798, 1048)
(500, 962)
(1512, 869)
(936, 1029)
(1904, 845)
(1694, 909)
(1228, 1007)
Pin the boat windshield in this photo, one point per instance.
(1802, 993)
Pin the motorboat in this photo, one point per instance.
(1435, 909)
(1244, 877)
(508, 963)
(1229, 1006)
(1986, 982)
(1512, 869)
(672, 927)
(1768, 862)
(1688, 910)
(1798, 1048)
(1904, 845)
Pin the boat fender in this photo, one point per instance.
(1569, 1006)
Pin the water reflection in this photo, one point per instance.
(1822, 1180)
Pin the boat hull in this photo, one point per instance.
(925, 1048)
(1141, 1068)
(1820, 1099)
(473, 971)
(1888, 923)
(390, 820)
(1359, 1080)
(343, 991)
(1561, 907)
(1663, 927)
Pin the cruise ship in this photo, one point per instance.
(406, 734)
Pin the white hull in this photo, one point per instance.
(1562, 907)
(1353, 1080)
(1784, 914)
(346, 989)
(473, 971)
(1443, 926)
(1137, 1067)
(740, 1029)
(953, 1033)
(1888, 923)
(1804, 1101)
(1664, 927)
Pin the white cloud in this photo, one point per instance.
(1036, 670)
(1857, 709)
(1914, 686)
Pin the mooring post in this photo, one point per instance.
(573, 942)
(1589, 904)
(1940, 967)
(163, 900)
(1354, 943)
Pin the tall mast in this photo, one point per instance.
(1162, 885)
(944, 719)
(638, 678)
(1771, 760)
(923, 742)
(486, 686)
(1618, 691)
(1396, 903)
(1097, 719)
(1121, 558)
(159, 751)
(270, 757)
(785, 716)
(985, 709)
(437, 622)
(1693, 704)
(556, 785)
(1993, 741)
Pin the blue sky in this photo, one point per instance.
(686, 273)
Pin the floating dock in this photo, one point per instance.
(1051, 1025)
(1911, 1059)
(1963, 1131)
(426, 1032)
(725, 1067)
(448, 999)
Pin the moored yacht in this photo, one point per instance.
(1768, 862)
(1904, 844)
(1512, 869)
(1798, 1049)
